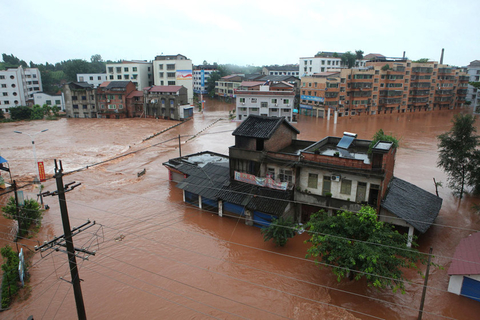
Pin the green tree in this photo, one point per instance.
(476, 85)
(37, 112)
(458, 155)
(382, 136)
(12, 61)
(280, 230)
(20, 113)
(386, 67)
(210, 85)
(358, 246)
(335, 55)
(359, 54)
(2, 115)
(72, 67)
(349, 59)
(29, 215)
(10, 275)
(422, 60)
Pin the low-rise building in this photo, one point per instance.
(200, 77)
(135, 104)
(80, 100)
(473, 96)
(272, 174)
(174, 70)
(167, 102)
(323, 62)
(137, 71)
(112, 99)
(265, 101)
(92, 78)
(17, 86)
(42, 98)
(288, 70)
(226, 86)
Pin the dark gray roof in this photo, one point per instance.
(276, 78)
(256, 198)
(81, 84)
(206, 181)
(413, 204)
(261, 127)
(117, 84)
(282, 68)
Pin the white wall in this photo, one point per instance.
(92, 78)
(160, 67)
(41, 98)
(456, 281)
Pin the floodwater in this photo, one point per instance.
(158, 258)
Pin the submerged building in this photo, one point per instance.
(269, 173)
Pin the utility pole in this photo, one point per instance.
(16, 209)
(179, 146)
(422, 302)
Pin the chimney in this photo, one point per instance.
(441, 57)
(403, 55)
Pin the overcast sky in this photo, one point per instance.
(259, 32)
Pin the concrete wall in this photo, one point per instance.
(456, 281)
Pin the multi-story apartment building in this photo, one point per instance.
(135, 104)
(17, 86)
(253, 98)
(167, 102)
(174, 70)
(80, 100)
(137, 71)
(289, 70)
(41, 98)
(200, 77)
(112, 99)
(226, 86)
(385, 86)
(473, 96)
(324, 62)
(92, 78)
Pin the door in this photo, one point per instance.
(471, 288)
(361, 192)
(327, 185)
(373, 196)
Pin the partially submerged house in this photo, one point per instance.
(271, 174)
(464, 271)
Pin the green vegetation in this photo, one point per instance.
(29, 215)
(459, 155)
(280, 230)
(359, 54)
(35, 113)
(10, 275)
(422, 60)
(349, 59)
(382, 136)
(386, 67)
(358, 246)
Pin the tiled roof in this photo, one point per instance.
(81, 84)
(261, 127)
(135, 94)
(413, 204)
(283, 68)
(163, 88)
(206, 181)
(265, 93)
(114, 84)
(466, 259)
(251, 83)
(276, 78)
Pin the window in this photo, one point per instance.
(170, 74)
(119, 77)
(92, 97)
(5, 94)
(84, 97)
(2, 77)
(171, 83)
(91, 78)
(346, 187)
(286, 101)
(120, 106)
(134, 69)
(125, 69)
(110, 69)
(85, 106)
(112, 106)
(134, 76)
(111, 77)
(57, 102)
(160, 74)
(125, 76)
(286, 175)
(99, 77)
(170, 66)
(327, 184)
(271, 173)
(74, 97)
(102, 106)
(313, 180)
(242, 100)
(264, 104)
(119, 97)
(274, 100)
(119, 69)
(253, 100)
(160, 67)
(48, 102)
(75, 106)
(79, 78)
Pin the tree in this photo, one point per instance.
(386, 67)
(335, 55)
(422, 60)
(214, 77)
(20, 113)
(349, 59)
(72, 67)
(280, 230)
(2, 115)
(359, 54)
(476, 85)
(10, 275)
(357, 246)
(30, 214)
(458, 155)
(382, 136)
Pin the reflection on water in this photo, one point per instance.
(175, 261)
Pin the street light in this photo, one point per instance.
(32, 135)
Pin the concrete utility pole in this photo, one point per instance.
(77, 290)
(16, 209)
(32, 136)
(420, 312)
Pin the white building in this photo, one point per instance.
(41, 98)
(325, 61)
(200, 78)
(17, 86)
(473, 96)
(264, 102)
(281, 71)
(174, 70)
(137, 71)
(92, 78)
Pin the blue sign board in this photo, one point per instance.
(312, 98)
(203, 78)
(305, 106)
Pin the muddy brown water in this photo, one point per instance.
(158, 258)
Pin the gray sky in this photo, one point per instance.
(241, 32)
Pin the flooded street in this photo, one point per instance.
(159, 258)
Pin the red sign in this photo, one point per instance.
(41, 171)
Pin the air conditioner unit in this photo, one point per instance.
(276, 105)
(243, 103)
(335, 178)
(108, 100)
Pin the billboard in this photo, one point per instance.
(41, 171)
(312, 98)
(184, 74)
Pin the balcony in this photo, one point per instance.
(422, 70)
